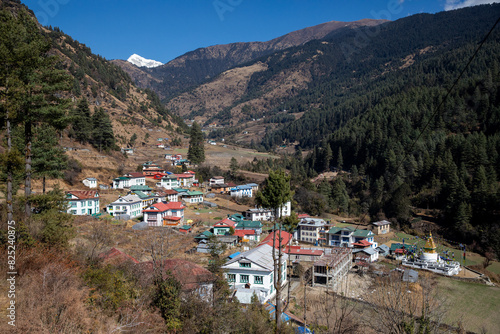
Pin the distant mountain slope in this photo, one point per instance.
(200, 65)
(304, 93)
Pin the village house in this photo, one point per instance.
(164, 214)
(241, 191)
(252, 272)
(367, 255)
(84, 202)
(126, 207)
(216, 180)
(121, 182)
(136, 179)
(224, 226)
(168, 182)
(258, 214)
(220, 188)
(90, 182)
(192, 197)
(186, 179)
(348, 235)
(250, 225)
(312, 230)
(381, 227)
(170, 195)
(246, 235)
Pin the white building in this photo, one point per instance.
(216, 180)
(312, 230)
(130, 205)
(83, 202)
(169, 182)
(253, 272)
(164, 214)
(90, 182)
(258, 214)
(136, 179)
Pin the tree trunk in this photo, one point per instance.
(43, 185)
(27, 180)
(278, 282)
(10, 210)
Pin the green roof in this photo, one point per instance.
(336, 229)
(180, 190)
(194, 193)
(121, 178)
(185, 227)
(249, 224)
(362, 233)
(140, 187)
(142, 195)
(204, 235)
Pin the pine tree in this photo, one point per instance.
(103, 137)
(32, 82)
(49, 158)
(196, 151)
(82, 122)
(274, 194)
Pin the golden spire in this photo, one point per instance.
(430, 246)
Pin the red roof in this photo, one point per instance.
(242, 233)
(303, 215)
(285, 238)
(184, 176)
(299, 251)
(362, 243)
(170, 192)
(175, 206)
(172, 218)
(231, 184)
(226, 222)
(162, 207)
(116, 256)
(84, 194)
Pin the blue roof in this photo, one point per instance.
(234, 255)
(252, 184)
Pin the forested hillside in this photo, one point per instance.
(377, 116)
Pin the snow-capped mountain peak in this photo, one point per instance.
(143, 62)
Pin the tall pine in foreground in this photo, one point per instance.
(196, 151)
(49, 159)
(33, 82)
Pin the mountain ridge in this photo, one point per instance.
(202, 64)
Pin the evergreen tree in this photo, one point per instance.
(233, 166)
(103, 137)
(340, 196)
(196, 151)
(33, 84)
(82, 122)
(49, 159)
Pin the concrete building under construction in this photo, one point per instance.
(332, 267)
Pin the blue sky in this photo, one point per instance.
(165, 29)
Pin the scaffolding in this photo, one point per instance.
(332, 267)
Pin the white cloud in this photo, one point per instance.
(455, 4)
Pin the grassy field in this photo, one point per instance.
(474, 305)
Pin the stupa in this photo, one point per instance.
(429, 253)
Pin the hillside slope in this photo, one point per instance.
(200, 65)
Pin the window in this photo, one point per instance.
(231, 277)
(74, 204)
(243, 278)
(245, 265)
(89, 203)
(258, 280)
